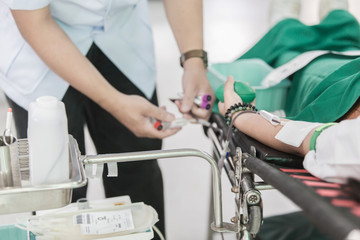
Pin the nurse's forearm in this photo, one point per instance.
(186, 20)
(55, 48)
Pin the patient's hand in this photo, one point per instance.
(230, 97)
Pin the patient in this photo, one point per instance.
(331, 152)
(325, 90)
(335, 156)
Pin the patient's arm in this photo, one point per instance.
(258, 127)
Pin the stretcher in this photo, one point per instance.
(332, 207)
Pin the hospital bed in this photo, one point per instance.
(332, 207)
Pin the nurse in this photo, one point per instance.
(98, 58)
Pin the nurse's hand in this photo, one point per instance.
(195, 83)
(230, 96)
(135, 113)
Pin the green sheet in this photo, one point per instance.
(326, 88)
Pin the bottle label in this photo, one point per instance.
(104, 222)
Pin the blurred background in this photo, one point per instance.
(230, 28)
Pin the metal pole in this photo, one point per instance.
(149, 155)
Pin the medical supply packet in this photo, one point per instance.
(93, 223)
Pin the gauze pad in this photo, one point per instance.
(294, 132)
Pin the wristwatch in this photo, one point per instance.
(194, 53)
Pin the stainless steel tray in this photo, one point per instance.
(26, 198)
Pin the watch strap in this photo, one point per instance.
(194, 53)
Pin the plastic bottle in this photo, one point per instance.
(48, 141)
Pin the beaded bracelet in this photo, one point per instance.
(238, 107)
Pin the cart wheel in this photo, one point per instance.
(255, 220)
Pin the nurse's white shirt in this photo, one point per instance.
(120, 28)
